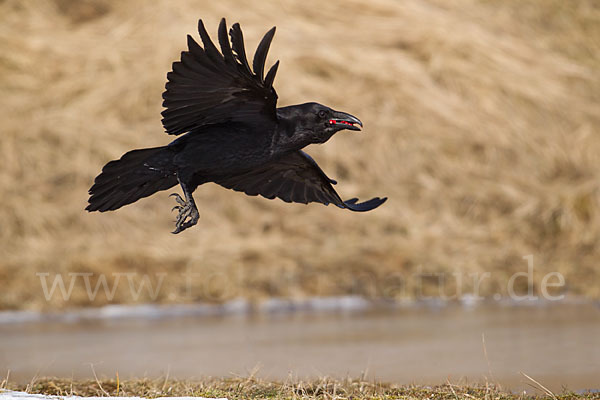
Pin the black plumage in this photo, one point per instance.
(232, 133)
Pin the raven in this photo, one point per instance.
(233, 134)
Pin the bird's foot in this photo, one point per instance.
(188, 214)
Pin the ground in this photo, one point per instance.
(253, 389)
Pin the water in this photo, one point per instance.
(556, 344)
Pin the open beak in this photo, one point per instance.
(345, 121)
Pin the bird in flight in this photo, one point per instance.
(232, 134)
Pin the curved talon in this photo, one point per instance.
(178, 198)
(180, 227)
(176, 208)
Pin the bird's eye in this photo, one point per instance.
(322, 113)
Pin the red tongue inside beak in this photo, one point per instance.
(333, 122)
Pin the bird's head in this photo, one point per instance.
(315, 122)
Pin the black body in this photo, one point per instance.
(231, 134)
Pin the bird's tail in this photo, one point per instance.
(137, 174)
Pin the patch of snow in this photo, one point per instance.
(268, 306)
(317, 304)
(10, 395)
(12, 317)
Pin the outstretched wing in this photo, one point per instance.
(208, 86)
(294, 178)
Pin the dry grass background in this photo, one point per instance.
(481, 125)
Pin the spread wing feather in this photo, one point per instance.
(271, 74)
(296, 178)
(237, 41)
(260, 56)
(224, 42)
(210, 87)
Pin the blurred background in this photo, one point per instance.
(482, 124)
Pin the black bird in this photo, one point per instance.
(233, 135)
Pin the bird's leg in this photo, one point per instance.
(188, 213)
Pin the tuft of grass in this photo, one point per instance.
(254, 389)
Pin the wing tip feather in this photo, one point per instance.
(368, 205)
(260, 55)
